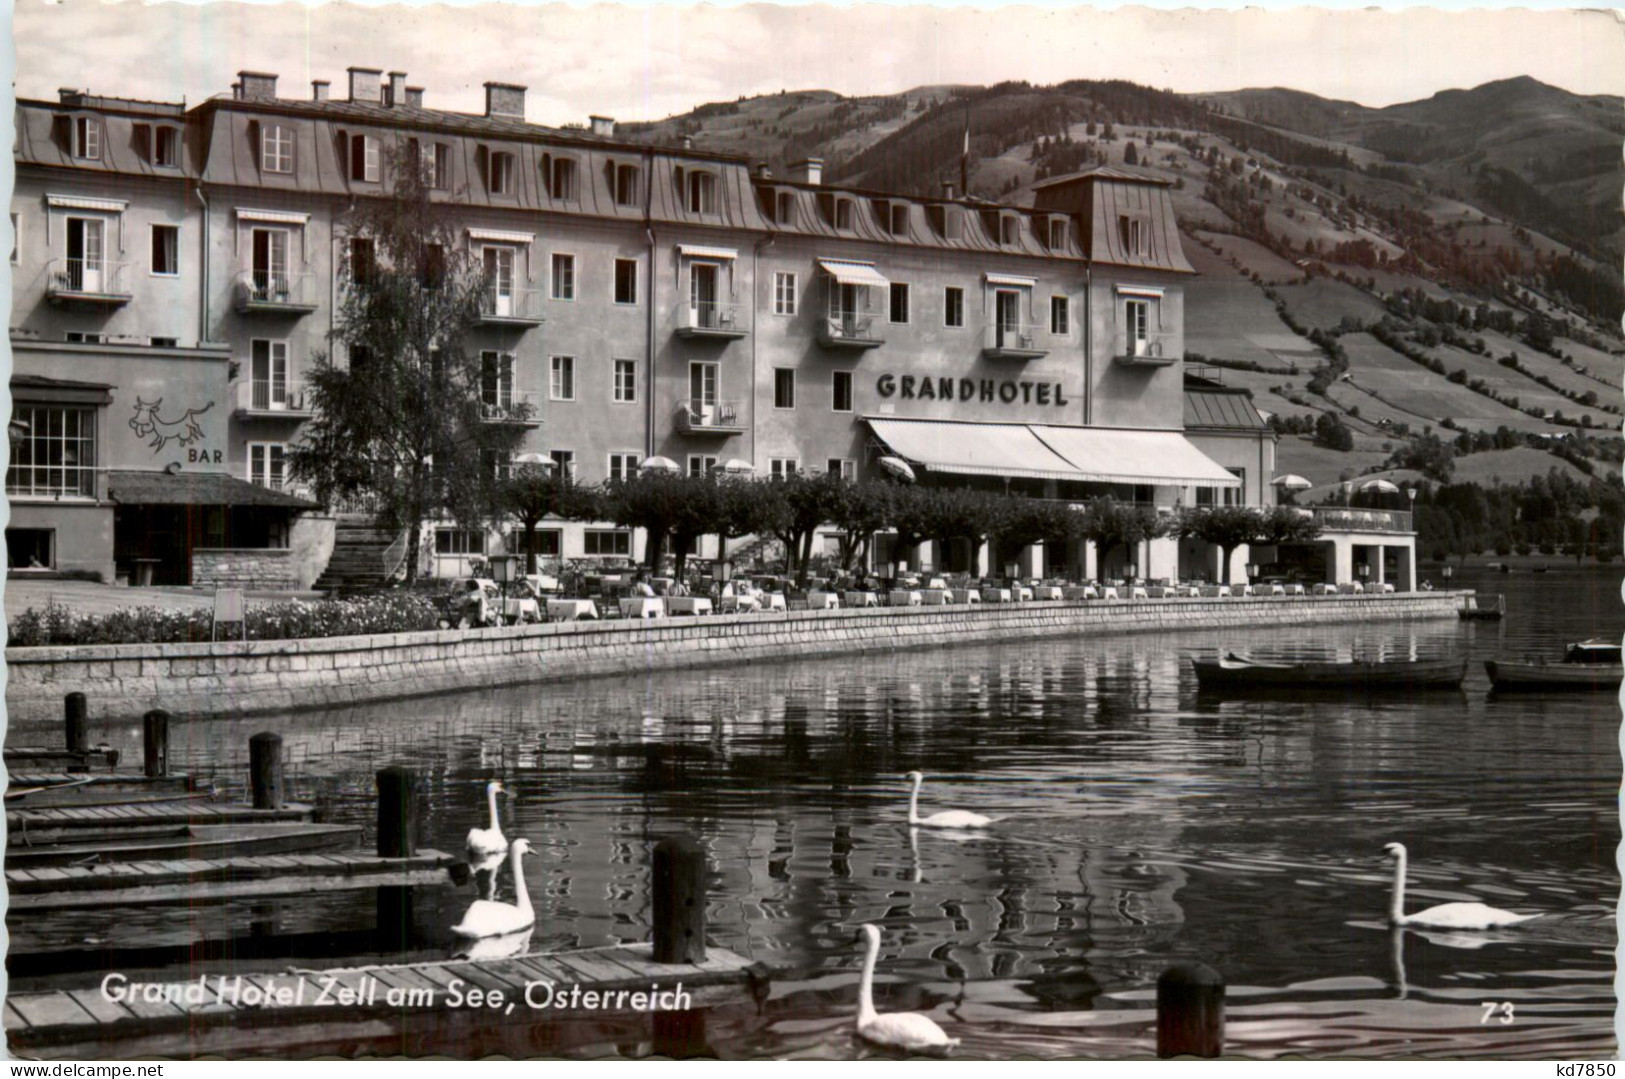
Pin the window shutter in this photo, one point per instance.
(254, 143)
(547, 174)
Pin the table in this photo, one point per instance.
(642, 606)
(995, 595)
(542, 582)
(1046, 591)
(965, 595)
(1109, 592)
(823, 601)
(905, 597)
(935, 597)
(1277, 589)
(739, 604)
(861, 599)
(570, 610)
(1294, 589)
(1351, 588)
(688, 605)
(1138, 592)
(1075, 592)
(938, 583)
(1384, 587)
(1214, 590)
(1325, 590)
(1024, 594)
(1243, 590)
(523, 609)
(773, 601)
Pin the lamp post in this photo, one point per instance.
(1252, 572)
(1447, 572)
(502, 572)
(1133, 572)
(1410, 493)
(1364, 570)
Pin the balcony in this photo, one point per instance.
(517, 408)
(695, 417)
(1013, 341)
(712, 320)
(271, 399)
(850, 331)
(88, 282)
(511, 307)
(1352, 519)
(273, 292)
(1151, 350)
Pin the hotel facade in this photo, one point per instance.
(177, 272)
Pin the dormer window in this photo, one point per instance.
(276, 148)
(702, 193)
(787, 208)
(166, 148)
(87, 138)
(949, 221)
(364, 158)
(562, 181)
(626, 185)
(1010, 230)
(843, 214)
(1057, 234)
(501, 179)
(1135, 235)
(434, 158)
(899, 220)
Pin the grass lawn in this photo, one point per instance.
(1325, 302)
(1510, 466)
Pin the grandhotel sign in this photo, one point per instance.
(946, 388)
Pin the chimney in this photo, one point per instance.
(396, 93)
(688, 142)
(318, 89)
(414, 96)
(69, 95)
(764, 171)
(257, 85)
(809, 170)
(364, 84)
(236, 91)
(505, 99)
(947, 189)
(602, 125)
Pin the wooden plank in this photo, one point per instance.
(251, 840)
(476, 974)
(220, 890)
(200, 870)
(590, 970)
(14, 1018)
(150, 813)
(99, 1007)
(51, 1010)
(436, 973)
(542, 968)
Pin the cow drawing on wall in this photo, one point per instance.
(160, 433)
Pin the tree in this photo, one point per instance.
(1131, 156)
(1108, 523)
(794, 508)
(1229, 527)
(531, 493)
(650, 501)
(1026, 521)
(739, 509)
(403, 421)
(859, 510)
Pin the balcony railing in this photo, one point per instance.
(1013, 341)
(1151, 350)
(88, 281)
(274, 292)
(698, 417)
(850, 330)
(518, 407)
(511, 307)
(711, 318)
(272, 397)
(1354, 519)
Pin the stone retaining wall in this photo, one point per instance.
(238, 678)
(267, 569)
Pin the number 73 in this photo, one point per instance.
(1493, 1008)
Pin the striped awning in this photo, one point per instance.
(698, 251)
(1118, 455)
(273, 217)
(75, 202)
(1148, 291)
(1011, 279)
(848, 272)
(499, 236)
(973, 449)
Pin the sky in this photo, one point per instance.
(654, 60)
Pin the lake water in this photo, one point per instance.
(1143, 825)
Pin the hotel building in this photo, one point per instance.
(177, 270)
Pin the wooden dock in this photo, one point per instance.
(68, 819)
(41, 758)
(205, 880)
(35, 790)
(264, 1012)
(190, 841)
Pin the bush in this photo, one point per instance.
(397, 612)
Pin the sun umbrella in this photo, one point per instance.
(533, 459)
(897, 467)
(735, 467)
(661, 464)
(1380, 487)
(1291, 482)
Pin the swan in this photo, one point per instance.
(897, 1030)
(948, 818)
(486, 918)
(484, 842)
(1445, 915)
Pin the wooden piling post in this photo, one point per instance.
(155, 743)
(74, 715)
(265, 769)
(679, 900)
(1190, 1011)
(397, 838)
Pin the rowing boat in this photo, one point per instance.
(1233, 672)
(1593, 665)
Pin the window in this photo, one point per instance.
(363, 260)
(499, 276)
(626, 185)
(700, 464)
(899, 302)
(276, 148)
(56, 454)
(501, 178)
(166, 250)
(498, 463)
(16, 239)
(79, 337)
(782, 467)
(1057, 235)
(1137, 320)
(784, 387)
(458, 541)
(626, 281)
(1134, 235)
(784, 293)
(841, 391)
(953, 306)
(87, 138)
(625, 390)
(166, 148)
(1010, 231)
(606, 542)
(268, 375)
(269, 251)
(433, 271)
(787, 208)
(1060, 315)
(564, 277)
(702, 193)
(561, 385)
(165, 342)
(899, 220)
(844, 467)
(87, 269)
(702, 383)
(1236, 496)
(843, 213)
(543, 543)
(30, 548)
(434, 159)
(496, 382)
(564, 462)
(364, 158)
(623, 466)
(563, 181)
(267, 464)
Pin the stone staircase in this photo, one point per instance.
(747, 549)
(357, 563)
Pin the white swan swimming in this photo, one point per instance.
(1445, 915)
(948, 818)
(484, 842)
(486, 918)
(897, 1030)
